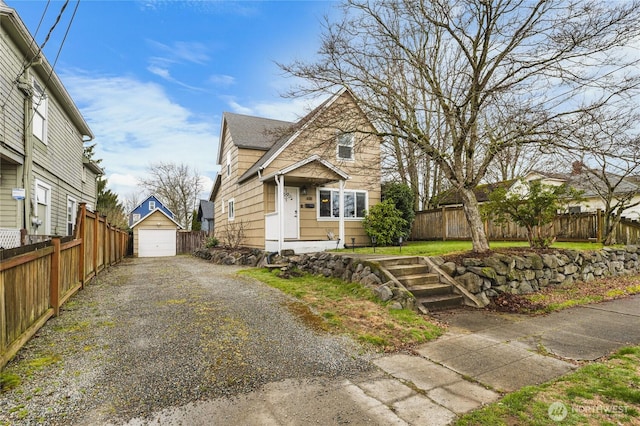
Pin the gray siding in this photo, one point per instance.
(59, 161)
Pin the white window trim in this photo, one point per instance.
(74, 213)
(231, 209)
(135, 217)
(346, 191)
(152, 205)
(47, 187)
(352, 145)
(40, 107)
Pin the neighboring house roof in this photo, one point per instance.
(579, 181)
(157, 209)
(286, 139)
(452, 196)
(205, 211)
(589, 184)
(155, 198)
(13, 25)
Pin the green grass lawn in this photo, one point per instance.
(439, 248)
(335, 306)
(601, 393)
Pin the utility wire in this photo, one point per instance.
(25, 60)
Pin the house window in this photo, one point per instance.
(72, 212)
(345, 146)
(355, 203)
(228, 163)
(42, 213)
(39, 121)
(136, 217)
(152, 205)
(231, 210)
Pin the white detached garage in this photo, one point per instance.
(155, 235)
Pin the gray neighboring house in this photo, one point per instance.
(44, 175)
(205, 216)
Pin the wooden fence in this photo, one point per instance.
(450, 223)
(36, 280)
(188, 241)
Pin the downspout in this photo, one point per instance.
(341, 235)
(27, 170)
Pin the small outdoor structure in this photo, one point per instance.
(155, 235)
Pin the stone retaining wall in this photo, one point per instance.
(485, 277)
(530, 271)
(344, 267)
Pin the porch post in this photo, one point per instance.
(280, 205)
(341, 213)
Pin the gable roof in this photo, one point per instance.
(282, 143)
(147, 199)
(157, 209)
(251, 132)
(313, 158)
(15, 28)
(205, 211)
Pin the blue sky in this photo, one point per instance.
(153, 77)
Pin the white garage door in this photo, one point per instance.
(156, 242)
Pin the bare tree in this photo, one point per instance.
(608, 164)
(177, 185)
(478, 77)
(132, 200)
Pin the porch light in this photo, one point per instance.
(303, 190)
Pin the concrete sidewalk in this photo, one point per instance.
(485, 354)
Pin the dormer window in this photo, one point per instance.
(345, 146)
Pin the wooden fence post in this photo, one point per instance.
(54, 286)
(444, 224)
(81, 233)
(96, 241)
(599, 225)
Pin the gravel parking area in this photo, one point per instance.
(154, 333)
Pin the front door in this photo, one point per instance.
(291, 222)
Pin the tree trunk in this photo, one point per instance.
(472, 212)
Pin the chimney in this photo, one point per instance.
(576, 167)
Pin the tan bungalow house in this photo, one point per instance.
(303, 186)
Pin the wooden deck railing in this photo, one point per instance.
(36, 280)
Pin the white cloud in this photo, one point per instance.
(222, 80)
(136, 124)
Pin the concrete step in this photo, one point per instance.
(413, 269)
(426, 290)
(399, 261)
(417, 279)
(442, 302)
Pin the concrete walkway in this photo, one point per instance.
(485, 354)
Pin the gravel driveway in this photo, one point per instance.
(152, 334)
